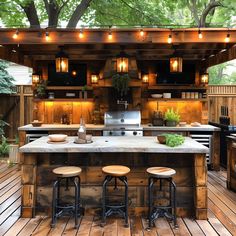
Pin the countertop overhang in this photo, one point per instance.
(147, 144)
(51, 127)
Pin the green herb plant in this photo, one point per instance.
(171, 115)
(41, 88)
(121, 83)
(173, 140)
(4, 147)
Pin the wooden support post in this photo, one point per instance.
(29, 170)
(22, 106)
(200, 196)
(216, 151)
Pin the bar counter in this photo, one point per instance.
(188, 159)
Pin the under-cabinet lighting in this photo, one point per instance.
(227, 38)
(169, 40)
(141, 33)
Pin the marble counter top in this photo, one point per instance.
(113, 144)
(51, 127)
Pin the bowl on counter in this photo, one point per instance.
(196, 124)
(182, 124)
(156, 95)
(57, 137)
(36, 123)
(166, 95)
(161, 139)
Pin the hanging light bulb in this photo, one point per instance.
(227, 38)
(200, 34)
(81, 34)
(110, 35)
(47, 36)
(15, 35)
(169, 40)
(141, 33)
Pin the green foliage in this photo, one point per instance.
(171, 115)
(121, 83)
(41, 89)
(173, 140)
(125, 12)
(4, 147)
(223, 73)
(6, 85)
(2, 125)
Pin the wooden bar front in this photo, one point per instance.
(190, 178)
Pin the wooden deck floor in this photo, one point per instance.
(221, 209)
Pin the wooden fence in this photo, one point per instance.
(222, 95)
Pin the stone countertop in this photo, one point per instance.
(184, 128)
(113, 144)
(51, 127)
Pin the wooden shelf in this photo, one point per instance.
(176, 87)
(178, 99)
(64, 100)
(68, 87)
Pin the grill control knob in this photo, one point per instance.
(122, 120)
(110, 132)
(135, 133)
(122, 133)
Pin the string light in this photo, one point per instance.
(110, 35)
(200, 34)
(15, 35)
(141, 33)
(227, 38)
(47, 36)
(81, 34)
(169, 40)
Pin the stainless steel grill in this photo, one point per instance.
(122, 123)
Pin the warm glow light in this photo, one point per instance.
(169, 40)
(94, 79)
(47, 36)
(145, 78)
(15, 35)
(200, 34)
(227, 38)
(204, 78)
(81, 34)
(74, 73)
(110, 35)
(62, 62)
(122, 64)
(176, 64)
(35, 78)
(141, 33)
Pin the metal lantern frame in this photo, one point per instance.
(176, 64)
(204, 78)
(122, 63)
(62, 62)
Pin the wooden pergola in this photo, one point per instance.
(31, 45)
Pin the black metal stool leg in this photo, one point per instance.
(126, 201)
(77, 199)
(150, 201)
(174, 195)
(54, 203)
(104, 186)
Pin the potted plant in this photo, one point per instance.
(171, 117)
(121, 83)
(40, 91)
(4, 147)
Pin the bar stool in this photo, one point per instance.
(67, 173)
(116, 172)
(161, 174)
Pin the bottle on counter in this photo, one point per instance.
(82, 129)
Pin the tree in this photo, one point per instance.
(6, 85)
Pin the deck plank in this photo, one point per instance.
(163, 227)
(43, 228)
(182, 229)
(193, 227)
(31, 226)
(85, 226)
(18, 226)
(206, 227)
(59, 227)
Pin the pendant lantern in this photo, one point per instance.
(62, 62)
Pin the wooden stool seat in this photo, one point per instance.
(162, 172)
(116, 170)
(67, 171)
